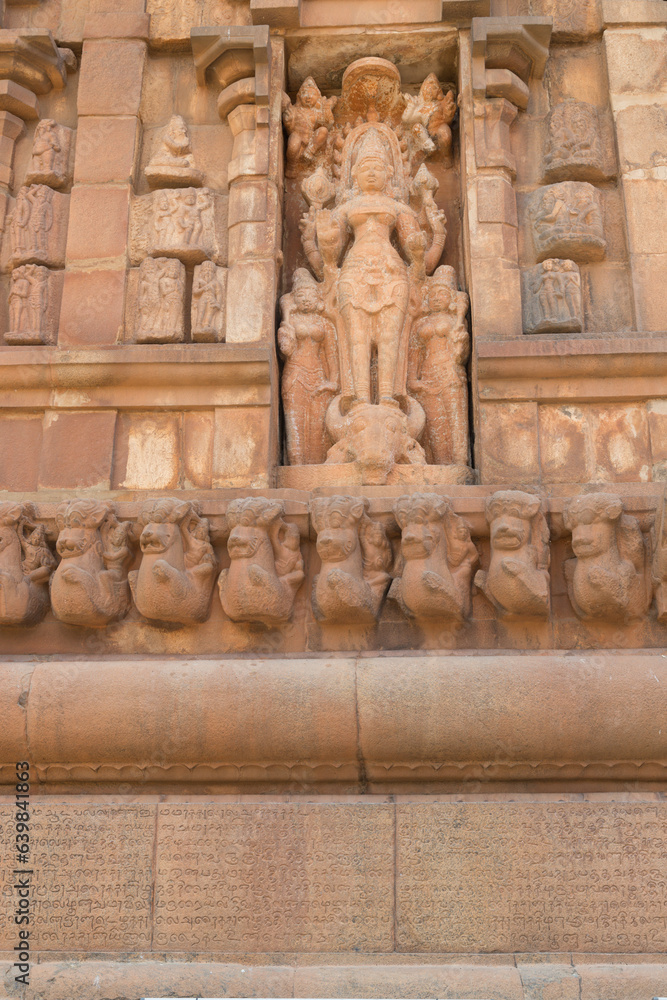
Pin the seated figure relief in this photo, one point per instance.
(438, 560)
(517, 581)
(356, 562)
(372, 235)
(26, 565)
(175, 580)
(172, 164)
(608, 579)
(90, 586)
(266, 567)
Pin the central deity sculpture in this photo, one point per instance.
(372, 235)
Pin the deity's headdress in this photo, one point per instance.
(445, 275)
(372, 148)
(303, 279)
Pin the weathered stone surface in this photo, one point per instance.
(93, 866)
(274, 877)
(483, 877)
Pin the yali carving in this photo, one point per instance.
(175, 579)
(371, 235)
(26, 565)
(90, 587)
(609, 577)
(266, 565)
(517, 581)
(356, 561)
(438, 560)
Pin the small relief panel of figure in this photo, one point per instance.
(573, 150)
(372, 234)
(26, 565)
(209, 300)
(307, 123)
(434, 110)
(32, 314)
(438, 559)
(567, 222)
(436, 369)
(35, 230)
(609, 578)
(307, 342)
(160, 302)
(49, 163)
(173, 164)
(175, 580)
(659, 573)
(356, 562)
(266, 568)
(517, 581)
(90, 586)
(552, 300)
(183, 224)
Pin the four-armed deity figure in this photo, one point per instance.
(373, 284)
(371, 252)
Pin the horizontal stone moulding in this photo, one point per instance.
(346, 975)
(398, 720)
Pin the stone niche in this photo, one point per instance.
(374, 336)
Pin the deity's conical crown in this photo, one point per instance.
(371, 147)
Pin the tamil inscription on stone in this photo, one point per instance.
(279, 876)
(531, 877)
(92, 876)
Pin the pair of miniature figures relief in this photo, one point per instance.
(374, 341)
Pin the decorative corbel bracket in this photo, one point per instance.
(239, 59)
(507, 52)
(32, 60)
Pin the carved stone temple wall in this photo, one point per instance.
(333, 511)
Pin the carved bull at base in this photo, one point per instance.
(375, 437)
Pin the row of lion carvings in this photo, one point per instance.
(611, 575)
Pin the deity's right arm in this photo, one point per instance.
(286, 333)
